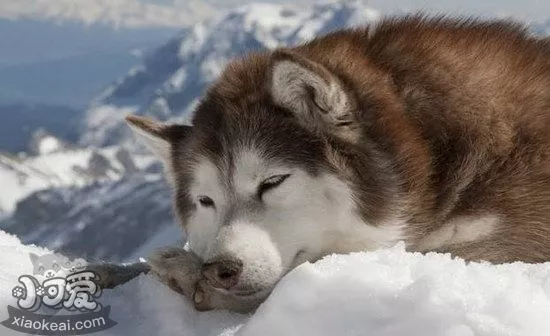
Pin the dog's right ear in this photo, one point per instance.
(313, 93)
(158, 137)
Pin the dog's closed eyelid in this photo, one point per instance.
(275, 179)
(270, 183)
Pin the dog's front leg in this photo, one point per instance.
(182, 272)
(179, 269)
(112, 275)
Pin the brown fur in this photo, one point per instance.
(452, 120)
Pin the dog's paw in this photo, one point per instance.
(182, 272)
(177, 268)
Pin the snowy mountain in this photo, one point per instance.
(99, 204)
(44, 142)
(169, 82)
(59, 166)
(104, 220)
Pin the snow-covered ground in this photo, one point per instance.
(388, 292)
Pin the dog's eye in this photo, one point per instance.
(206, 201)
(271, 182)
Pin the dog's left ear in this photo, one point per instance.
(158, 137)
(308, 89)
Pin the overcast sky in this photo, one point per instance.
(183, 12)
(524, 9)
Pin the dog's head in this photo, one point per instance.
(261, 184)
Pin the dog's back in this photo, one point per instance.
(472, 141)
(463, 108)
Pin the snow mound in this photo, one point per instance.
(393, 292)
(387, 292)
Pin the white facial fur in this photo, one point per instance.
(303, 218)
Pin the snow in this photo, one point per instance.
(22, 177)
(269, 21)
(194, 42)
(15, 184)
(178, 79)
(383, 293)
(102, 117)
(48, 145)
(392, 292)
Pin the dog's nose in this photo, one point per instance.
(223, 273)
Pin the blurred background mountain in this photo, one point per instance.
(72, 177)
